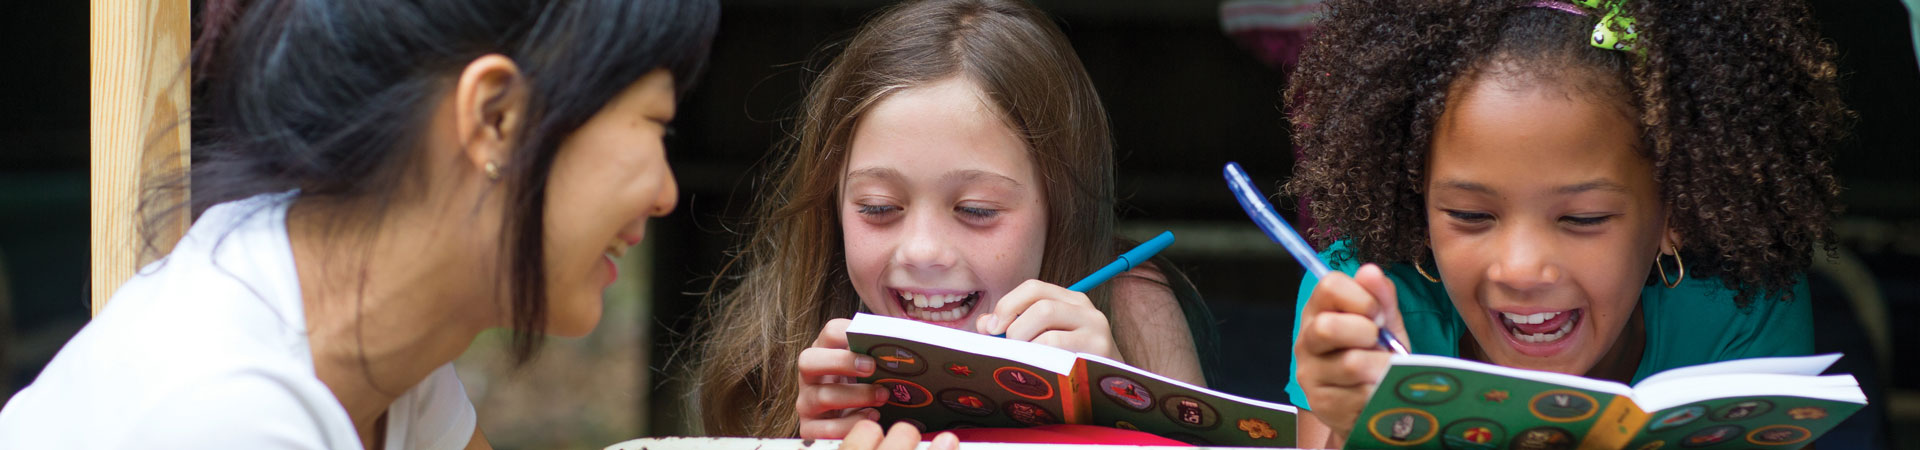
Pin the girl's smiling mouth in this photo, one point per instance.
(935, 305)
(1542, 333)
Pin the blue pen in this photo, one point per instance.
(1277, 229)
(1127, 260)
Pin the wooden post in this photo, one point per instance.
(139, 82)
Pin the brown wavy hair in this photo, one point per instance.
(790, 273)
(1737, 105)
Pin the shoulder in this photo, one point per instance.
(1699, 321)
(435, 414)
(235, 408)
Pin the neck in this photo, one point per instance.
(1623, 359)
(384, 307)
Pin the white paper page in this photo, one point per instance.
(1671, 393)
(1784, 365)
(1049, 358)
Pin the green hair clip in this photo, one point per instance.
(1615, 30)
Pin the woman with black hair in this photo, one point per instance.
(376, 183)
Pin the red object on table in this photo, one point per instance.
(1061, 434)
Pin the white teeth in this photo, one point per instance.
(1544, 337)
(1530, 319)
(920, 306)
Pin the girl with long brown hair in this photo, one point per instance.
(953, 166)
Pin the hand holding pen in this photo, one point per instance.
(1282, 233)
(1045, 313)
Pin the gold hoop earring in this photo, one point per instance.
(1423, 271)
(493, 171)
(1662, 268)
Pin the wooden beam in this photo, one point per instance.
(138, 53)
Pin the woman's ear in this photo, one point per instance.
(490, 101)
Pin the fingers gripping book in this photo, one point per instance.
(941, 378)
(1429, 401)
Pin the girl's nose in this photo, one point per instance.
(1524, 263)
(926, 244)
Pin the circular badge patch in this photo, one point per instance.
(1475, 434)
(1126, 392)
(1712, 435)
(1778, 435)
(1023, 382)
(1561, 405)
(897, 360)
(1403, 427)
(1542, 438)
(1190, 412)
(1030, 414)
(905, 394)
(1428, 388)
(1742, 410)
(966, 402)
(1677, 417)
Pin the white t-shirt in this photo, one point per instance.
(208, 349)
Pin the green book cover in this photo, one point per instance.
(1427, 401)
(943, 379)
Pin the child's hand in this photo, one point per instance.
(866, 435)
(830, 401)
(1045, 313)
(1338, 354)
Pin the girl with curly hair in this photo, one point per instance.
(1599, 188)
(952, 165)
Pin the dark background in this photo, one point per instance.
(1182, 97)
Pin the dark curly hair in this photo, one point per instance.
(1737, 104)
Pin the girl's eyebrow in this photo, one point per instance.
(976, 174)
(1576, 188)
(881, 173)
(1592, 185)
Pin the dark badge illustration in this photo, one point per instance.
(1403, 426)
(1126, 392)
(1023, 382)
(1563, 405)
(905, 393)
(1190, 412)
(1678, 417)
(1778, 435)
(1712, 435)
(1742, 410)
(1030, 414)
(966, 402)
(1542, 438)
(897, 360)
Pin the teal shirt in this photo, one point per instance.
(1694, 323)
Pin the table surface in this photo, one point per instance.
(676, 443)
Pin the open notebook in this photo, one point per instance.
(941, 378)
(1428, 401)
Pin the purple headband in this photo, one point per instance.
(1560, 5)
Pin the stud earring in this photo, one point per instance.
(493, 171)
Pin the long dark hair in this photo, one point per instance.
(329, 97)
(789, 275)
